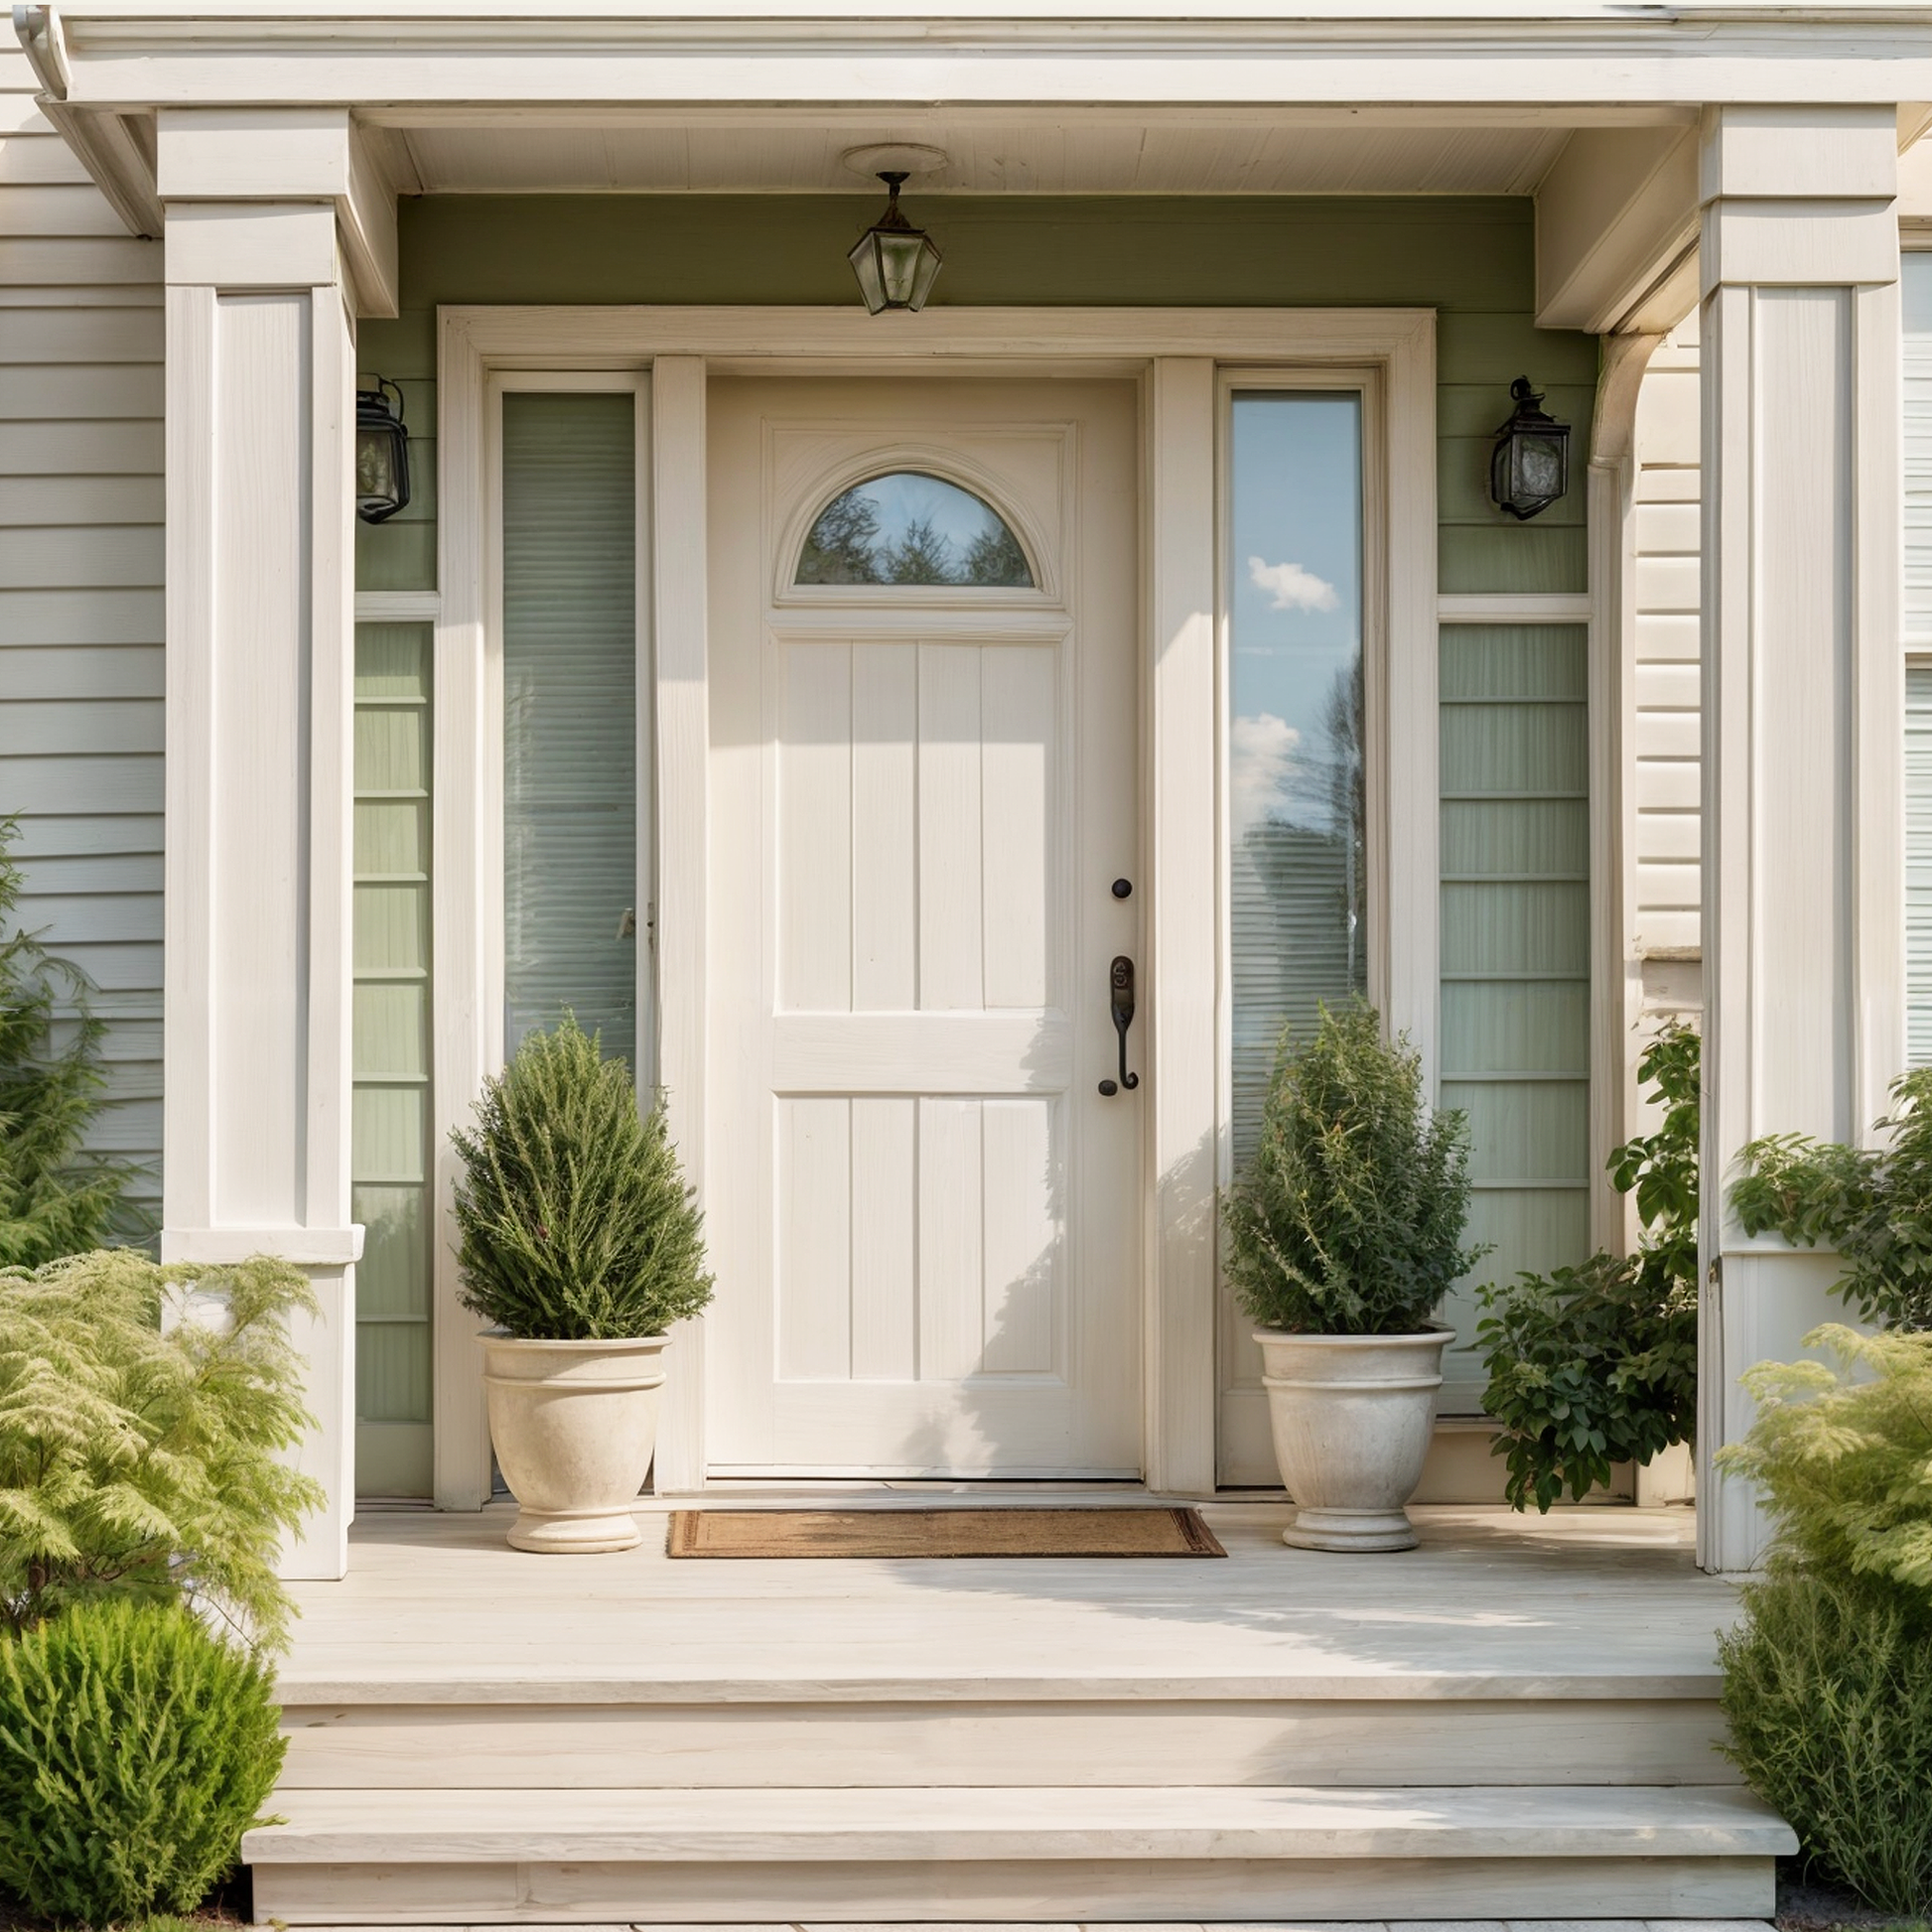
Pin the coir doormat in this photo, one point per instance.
(970, 1532)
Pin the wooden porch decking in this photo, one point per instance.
(1516, 1719)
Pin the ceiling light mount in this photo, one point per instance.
(903, 158)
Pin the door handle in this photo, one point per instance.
(1120, 1000)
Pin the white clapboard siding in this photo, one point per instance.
(1661, 741)
(103, 336)
(1918, 863)
(81, 597)
(1916, 277)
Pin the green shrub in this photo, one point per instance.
(576, 1224)
(1828, 1683)
(54, 1200)
(1597, 1364)
(1828, 1691)
(1874, 1205)
(136, 1746)
(1843, 1457)
(1348, 1217)
(138, 1462)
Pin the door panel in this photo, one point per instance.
(923, 1215)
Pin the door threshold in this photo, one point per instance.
(875, 1493)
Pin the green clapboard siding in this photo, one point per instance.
(389, 1123)
(1516, 960)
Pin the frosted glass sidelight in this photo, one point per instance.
(1297, 801)
(572, 916)
(909, 528)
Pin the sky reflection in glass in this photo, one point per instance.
(1296, 778)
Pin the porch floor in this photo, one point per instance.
(440, 1604)
(1517, 1719)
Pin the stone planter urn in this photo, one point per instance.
(574, 1425)
(1352, 1417)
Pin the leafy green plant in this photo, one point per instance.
(1348, 1217)
(136, 1746)
(143, 1462)
(54, 1198)
(576, 1224)
(1827, 1682)
(1874, 1205)
(1597, 1364)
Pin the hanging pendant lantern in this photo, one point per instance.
(1528, 469)
(897, 264)
(381, 454)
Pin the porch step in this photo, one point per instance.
(1119, 1731)
(1014, 1854)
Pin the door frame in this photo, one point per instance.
(1176, 355)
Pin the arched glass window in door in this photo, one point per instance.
(907, 528)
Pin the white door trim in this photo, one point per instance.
(1178, 355)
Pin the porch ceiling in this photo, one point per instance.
(774, 153)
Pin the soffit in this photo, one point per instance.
(1071, 155)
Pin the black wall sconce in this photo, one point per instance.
(897, 264)
(381, 454)
(1528, 469)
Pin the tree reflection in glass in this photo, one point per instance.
(911, 528)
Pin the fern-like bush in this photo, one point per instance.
(1844, 1458)
(576, 1224)
(1874, 1205)
(54, 1198)
(143, 1462)
(1347, 1218)
(1597, 1364)
(136, 1746)
(1827, 1682)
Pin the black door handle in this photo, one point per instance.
(1119, 998)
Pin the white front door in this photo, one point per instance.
(924, 1214)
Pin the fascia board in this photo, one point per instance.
(1481, 50)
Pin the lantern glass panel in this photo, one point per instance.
(899, 258)
(1539, 465)
(864, 264)
(924, 274)
(377, 468)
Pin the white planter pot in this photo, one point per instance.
(1352, 1416)
(574, 1425)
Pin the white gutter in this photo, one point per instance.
(104, 140)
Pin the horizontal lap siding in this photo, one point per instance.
(81, 598)
(1661, 917)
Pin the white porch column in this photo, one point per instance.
(260, 414)
(1803, 790)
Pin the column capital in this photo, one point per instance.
(1798, 197)
(277, 196)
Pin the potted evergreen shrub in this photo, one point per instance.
(1344, 1231)
(581, 1246)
